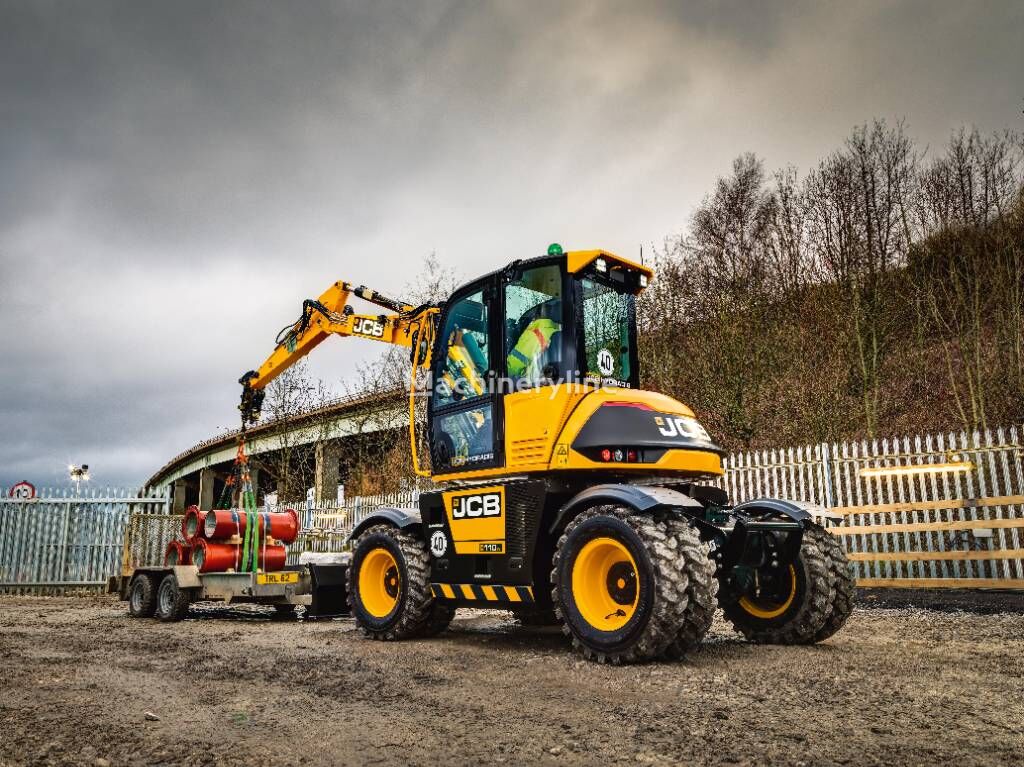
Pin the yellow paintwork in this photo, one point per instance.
(377, 573)
(388, 328)
(577, 260)
(767, 609)
(541, 424)
(590, 590)
(476, 532)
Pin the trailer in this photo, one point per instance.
(167, 592)
(317, 582)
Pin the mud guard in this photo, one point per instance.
(798, 511)
(637, 497)
(403, 519)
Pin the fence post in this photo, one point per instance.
(826, 463)
(64, 542)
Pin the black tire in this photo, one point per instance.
(171, 601)
(538, 618)
(657, 587)
(438, 619)
(142, 597)
(284, 611)
(701, 589)
(413, 613)
(809, 606)
(844, 584)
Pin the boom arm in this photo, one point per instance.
(329, 315)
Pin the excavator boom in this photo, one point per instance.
(331, 314)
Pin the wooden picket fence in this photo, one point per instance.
(925, 528)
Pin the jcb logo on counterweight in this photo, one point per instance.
(473, 506)
(368, 327)
(476, 520)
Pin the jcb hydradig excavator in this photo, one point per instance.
(567, 494)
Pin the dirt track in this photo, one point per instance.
(896, 686)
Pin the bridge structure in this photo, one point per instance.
(320, 435)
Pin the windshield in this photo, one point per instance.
(609, 333)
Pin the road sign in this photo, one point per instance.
(23, 491)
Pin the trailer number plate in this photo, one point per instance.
(268, 579)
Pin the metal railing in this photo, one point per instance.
(64, 542)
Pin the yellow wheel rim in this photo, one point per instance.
(379, 583)
(604, 584)
(766, 609)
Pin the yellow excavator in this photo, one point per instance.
(567, 494)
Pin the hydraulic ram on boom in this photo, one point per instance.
(330, 314)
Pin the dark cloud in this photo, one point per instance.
(175, 177)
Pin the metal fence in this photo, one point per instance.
(949, 513)
(60, 542)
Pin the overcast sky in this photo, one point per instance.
(176, 177)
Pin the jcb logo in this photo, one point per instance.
(680, 427)
(368, 327)
(474, 506)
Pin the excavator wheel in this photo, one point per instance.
(844, 583)
(701, 588)
(389, 586)
(619, 585)
(792, 603)
(438, 618)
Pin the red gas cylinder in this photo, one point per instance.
(217, 557)
(221, 524)
(192, 524)
(177, 553)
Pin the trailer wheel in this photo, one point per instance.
(389, 586)
(619, 590)
(142, 597)
(793, 603)
(171, 600)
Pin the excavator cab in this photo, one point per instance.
(564, 492)
(525, 350)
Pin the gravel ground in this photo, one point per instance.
(85, 684)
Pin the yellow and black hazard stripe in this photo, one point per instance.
(474, 592)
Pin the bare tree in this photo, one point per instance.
(378, 457)
(969, 268)
(859, 201)
(292, 427)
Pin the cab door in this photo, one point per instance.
(538, 361)
(465, 418)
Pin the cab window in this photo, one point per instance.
(462, 372)
(465, 438)
(608, 336)
(533, 326)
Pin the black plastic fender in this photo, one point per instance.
(403, 519)
(798, 511)
(640, 498)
